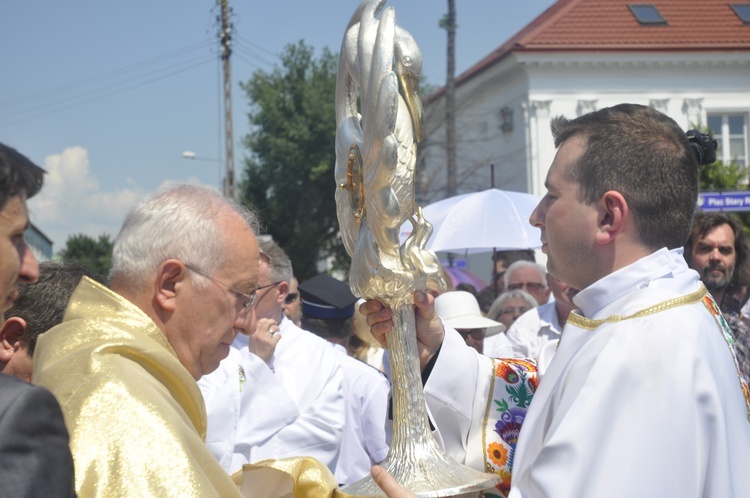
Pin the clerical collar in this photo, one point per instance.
(646, 272)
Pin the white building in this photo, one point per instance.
(687, 58)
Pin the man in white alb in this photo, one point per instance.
(279, 393)
(643, 395)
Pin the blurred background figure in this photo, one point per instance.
(503, 260)
(718, 250)
(506, 309)
(39, 306)
(328, 312)
(530, 277)
(544, 323)
(468, 288)
(460, 310)
(292, 305)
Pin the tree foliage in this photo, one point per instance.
(96, 254)
(721, 176)
(289, 176)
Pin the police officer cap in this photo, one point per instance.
(327, 298)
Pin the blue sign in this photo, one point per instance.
(460, 263)
(724, 201)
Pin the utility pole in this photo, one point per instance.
(225, 39)
(450, 101)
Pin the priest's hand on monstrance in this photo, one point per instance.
(430, 331)
(388, 484)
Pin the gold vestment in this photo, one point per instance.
(136, 417)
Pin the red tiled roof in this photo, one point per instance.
(609, 25)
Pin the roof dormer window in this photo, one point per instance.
(647, 14)
(743, 11)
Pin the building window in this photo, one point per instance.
(506, 119)
(743, 11)
(647, 14)
(730, 131)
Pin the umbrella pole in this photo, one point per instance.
(494, 272)
(494, 251)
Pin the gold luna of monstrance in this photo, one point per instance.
(379, 122)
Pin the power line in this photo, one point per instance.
(84, 93)
(22, 99)
(86, 101)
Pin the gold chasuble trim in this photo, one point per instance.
(588, 324)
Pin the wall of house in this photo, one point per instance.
(536, 87)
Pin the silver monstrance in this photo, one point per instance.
(379, 121)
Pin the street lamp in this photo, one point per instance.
(189, 154)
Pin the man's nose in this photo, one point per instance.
(29, 271)
(536, 216)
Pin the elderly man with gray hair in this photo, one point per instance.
(529, 277)
(124, 362)
(298, 407)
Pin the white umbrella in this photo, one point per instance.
(481, 222)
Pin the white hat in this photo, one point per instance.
(460, 310)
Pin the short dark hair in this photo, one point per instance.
(42, 303)
(17, 174)
(704, 223)
(337, 328)
(511, 256)
(645, 156)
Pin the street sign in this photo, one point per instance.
(724, 201)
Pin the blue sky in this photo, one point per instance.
(107, 95)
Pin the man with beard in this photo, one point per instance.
(718, 250)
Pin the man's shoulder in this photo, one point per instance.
(12, 389)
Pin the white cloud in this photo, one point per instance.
(72, 202)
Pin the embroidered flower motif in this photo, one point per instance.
(509, 425)
(522, 364)
(533, 383)
(505, 371)
(504, 486)
(520, 394)
(498, 454)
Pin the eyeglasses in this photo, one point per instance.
(514, 309)
(532, 286)
(246, 300)
(264, 287)
(476, 334)
(291, 297)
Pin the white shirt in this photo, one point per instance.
(366, 395)
(646, 406)
(532, 330)
(301, 414)
(498, 345)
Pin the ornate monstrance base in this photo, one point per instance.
(415, 459)
(429, 477)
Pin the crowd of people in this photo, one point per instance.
(200, 366)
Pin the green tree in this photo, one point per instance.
(289, 176)
(721, 176)
(96, 254)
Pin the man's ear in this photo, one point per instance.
(10, 337)
(169, 279)
(612, 216)
(283, 291)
